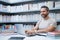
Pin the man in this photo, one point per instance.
(46, 24)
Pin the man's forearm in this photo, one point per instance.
(42, 30)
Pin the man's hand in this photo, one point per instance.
(29, 32)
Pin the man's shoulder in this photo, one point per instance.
(53, 19)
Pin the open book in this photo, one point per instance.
(39, 34)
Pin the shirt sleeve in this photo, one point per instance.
(53, 23)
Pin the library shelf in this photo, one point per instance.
(54, 10)
(18, 22)
(23, 22)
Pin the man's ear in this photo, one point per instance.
(48, 12)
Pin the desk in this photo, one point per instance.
(2, 37)
(40, 38)
(28, 38)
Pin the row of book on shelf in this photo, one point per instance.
(28, 7)
(19, 18)
(26, 18)
(25, 7)
(16, 28)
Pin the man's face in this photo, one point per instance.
(44, 12)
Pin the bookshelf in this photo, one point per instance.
(26, 2)
(24, 13)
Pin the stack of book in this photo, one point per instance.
(54, 34)
(8, 28)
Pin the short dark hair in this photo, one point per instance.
(45, 7)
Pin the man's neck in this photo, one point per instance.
(46, 18)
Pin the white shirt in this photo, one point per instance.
(46, 23)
